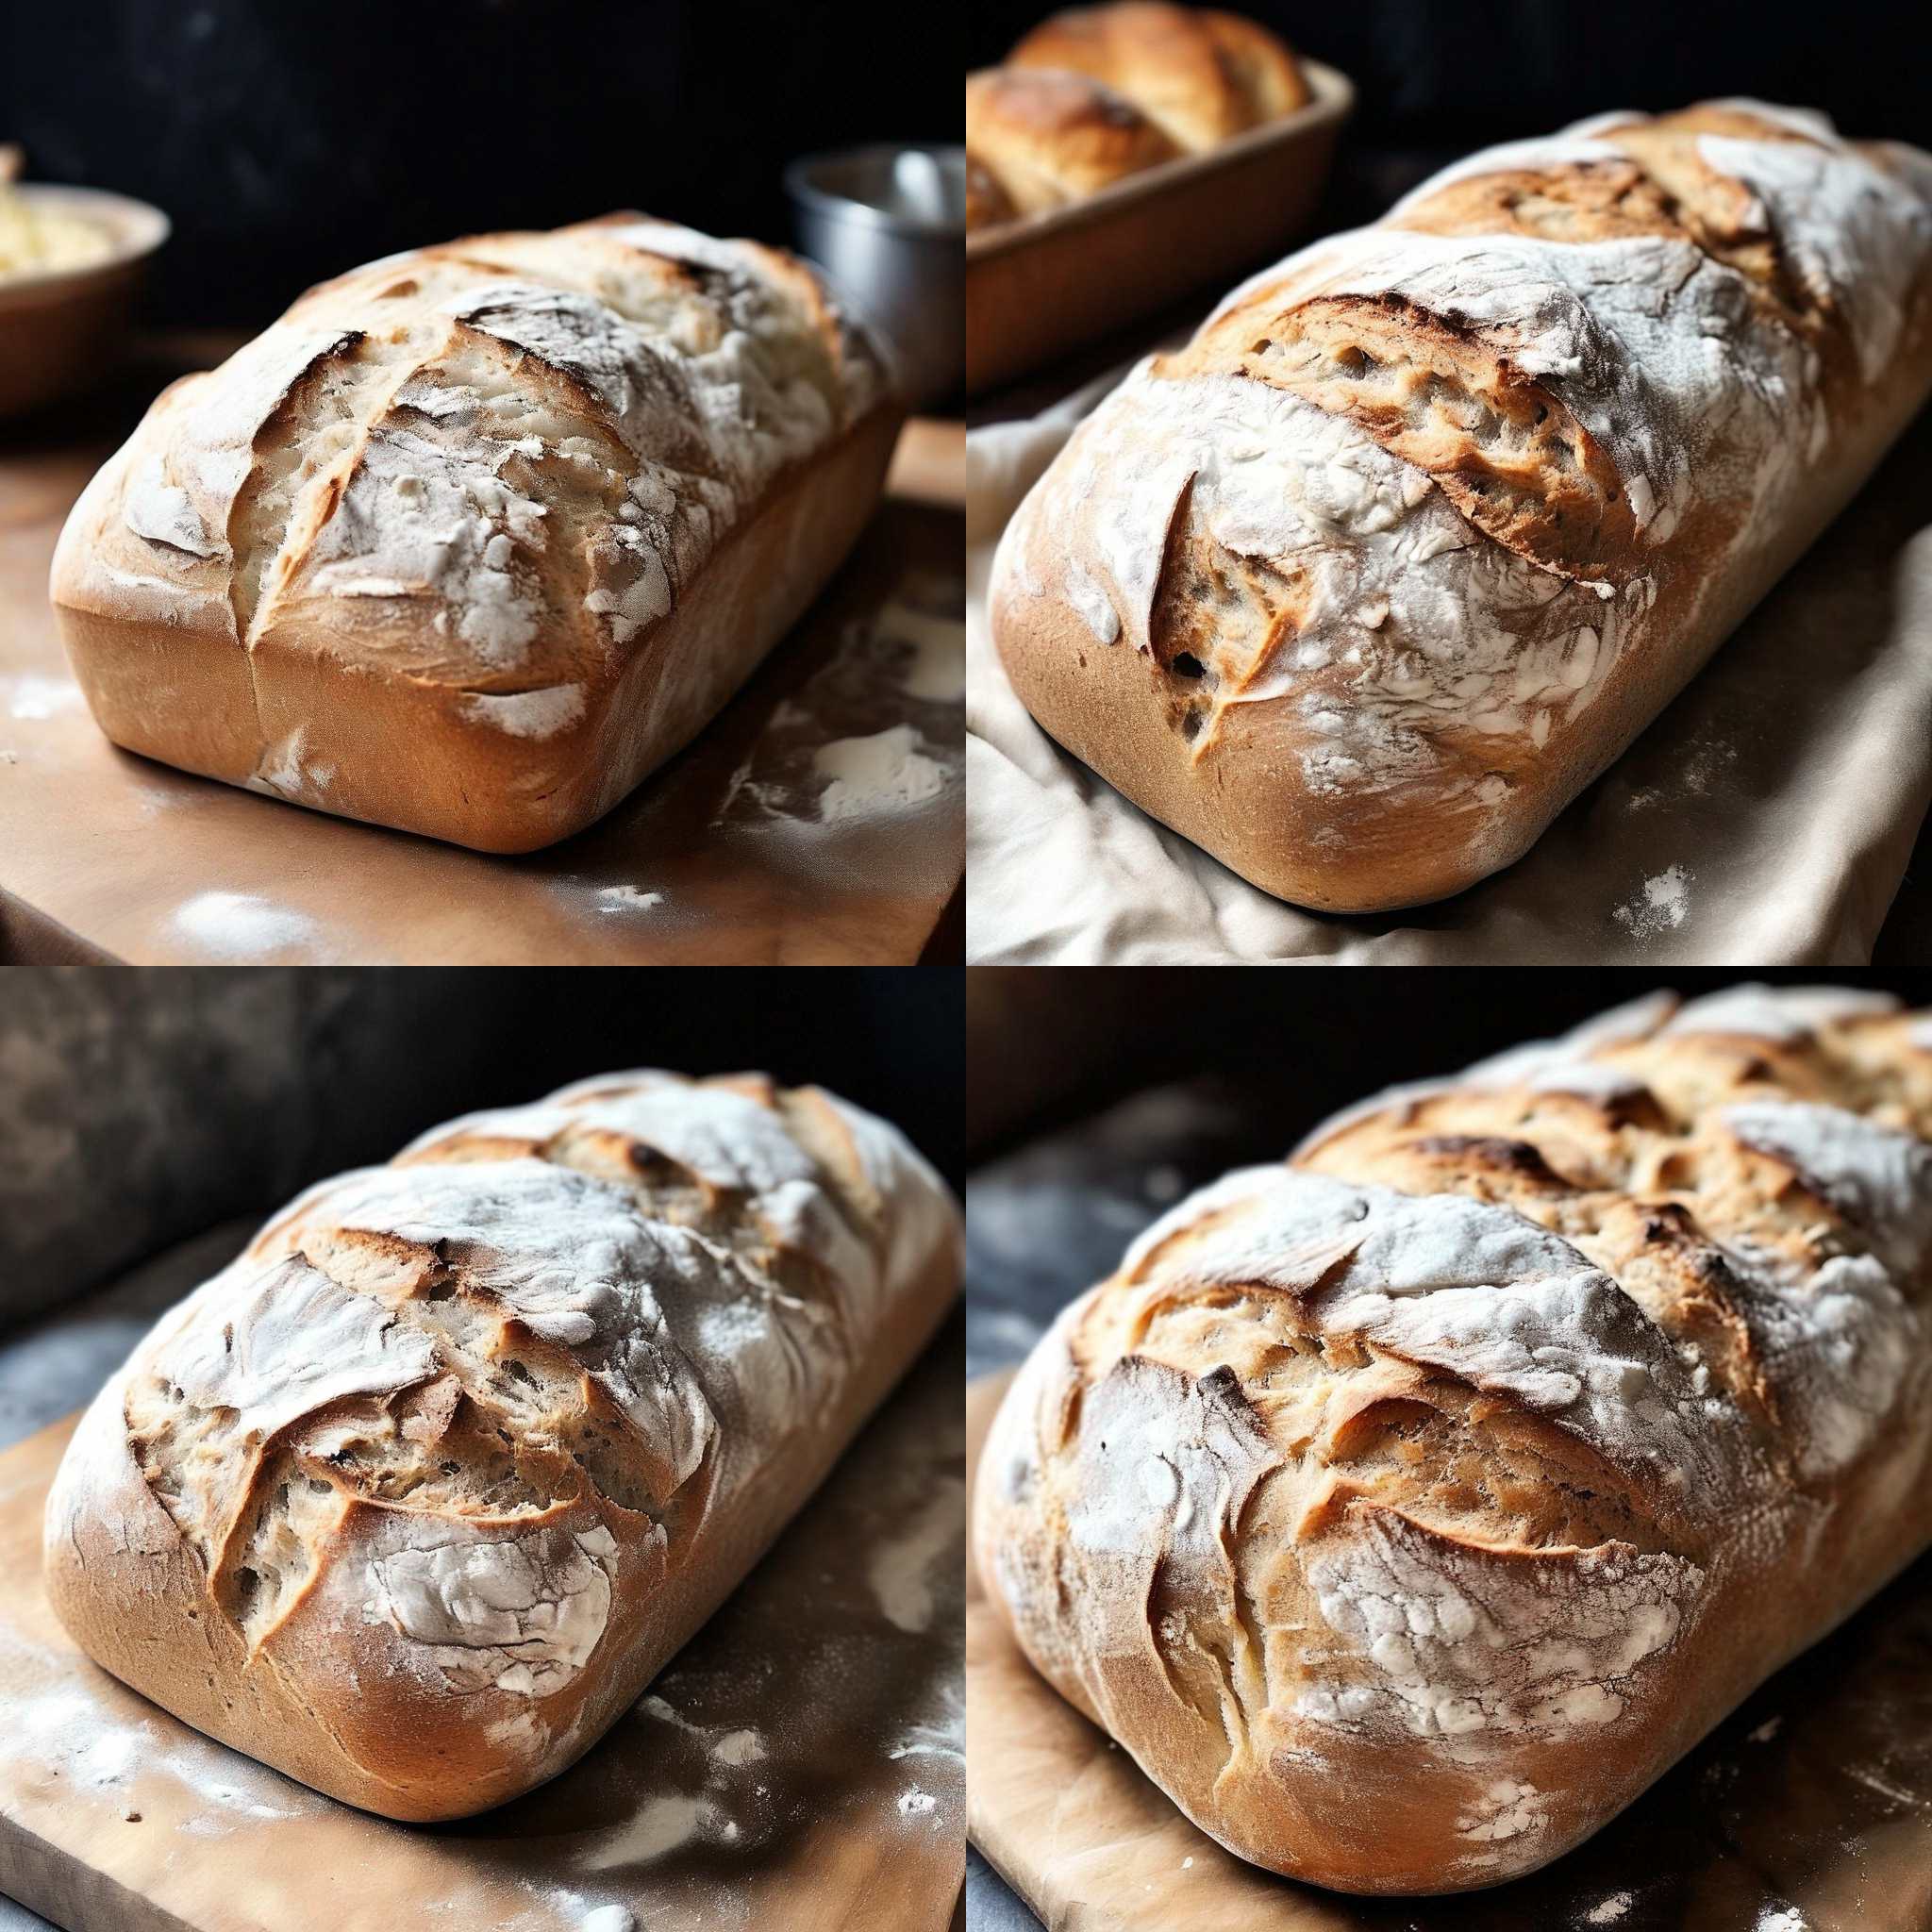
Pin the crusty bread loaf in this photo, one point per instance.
(1200, 75)
(414, 1498)
(1407, 1510)
(1047, 138)
(1361, 587)
(1093, 95)
(475, 537)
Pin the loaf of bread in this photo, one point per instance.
(475, 537)
(1358, 589)
(1200, 75)
(1098, 94)
(1044, 137)
(1407, 1508)
(414, 1498)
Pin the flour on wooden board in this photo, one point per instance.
(239, 926)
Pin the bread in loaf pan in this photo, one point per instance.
(414, 1498)
(1199, 75)
(1041, 139)
(1407, 1508)
(1362, 586)
(475, 538)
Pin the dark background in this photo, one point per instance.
(138, 1108)
(1435, 78)
(1045, 1049)
(289, 140)
(1455, 73)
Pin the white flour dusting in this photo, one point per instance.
(628, 899)
(1782, 1919)
(238, 926)
(37, 698)
(1610, 1911)
(610, 1919)
(900, 1573)
(886, 772)
(1659, 905)
(661, 1826)
(915, 1803)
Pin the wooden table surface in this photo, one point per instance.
(721, 858)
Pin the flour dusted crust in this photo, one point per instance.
(1360, 588)
(414, 1498)
(473, 537)
(1407, 1508)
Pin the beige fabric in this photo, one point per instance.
(1765, 819)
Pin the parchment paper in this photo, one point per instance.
(797, 1764)
(1765, 819)
(749, 848)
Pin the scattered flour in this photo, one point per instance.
(1610, 1911)
(886, 772)
(901, 1570)
(661, 1826)
(1781, 1919)
(610, 1919)
(914, 1803)
(1659, 905)
(1767, 1730)
(238, 926)
(628, 899)
(36, 697)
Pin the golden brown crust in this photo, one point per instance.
(1050, 138)
(1199, 75)
(987, 203)
(413, 1500)
(1406, 1511)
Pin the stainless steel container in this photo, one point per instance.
(888, 225)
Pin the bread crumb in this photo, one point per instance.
(1767, 1730)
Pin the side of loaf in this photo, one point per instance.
(414, 1498)
(1363, 585)
(1407, 1508)
(475, 538)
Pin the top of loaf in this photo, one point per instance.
(1413, 496)
(491, 465)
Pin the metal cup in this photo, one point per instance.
(888, 225)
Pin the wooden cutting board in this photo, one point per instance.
(735, 853)
(799, 1764)
(1808, 1810)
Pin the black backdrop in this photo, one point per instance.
(291, 138)
(1047, 1049)
(1458, 72)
